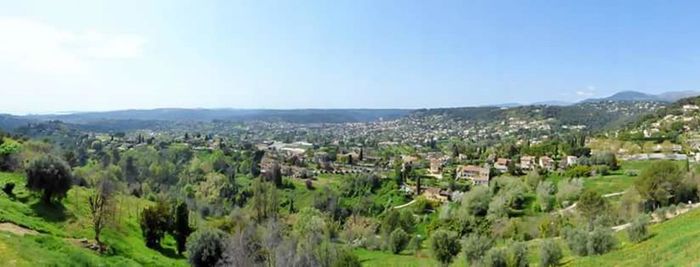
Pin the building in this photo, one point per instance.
(502, 164)
(435, 194)
(547, 163)
(571, 161)
(436, 166)
(527, 162)
(476, 174)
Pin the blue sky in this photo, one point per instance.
(90, 55)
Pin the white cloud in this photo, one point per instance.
(587, 92)
(36, 46)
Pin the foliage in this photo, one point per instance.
(398, 240)
(476, 246)
(155, 222)
(637, 231)
(49, 175)
(444, 246)
(659, 183)
(591, 205)
(518, 255)
(496, 257)
(550, 253)
(206, 247)
(181, 226)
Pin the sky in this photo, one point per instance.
(62, 56)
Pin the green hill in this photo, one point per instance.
(673, 243)
(52, 234)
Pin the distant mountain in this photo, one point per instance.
(552, 103)
(678, 95)
(180, 114)
(10, 122)
(639, 96)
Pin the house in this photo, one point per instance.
(571, 161)
(547, 163)
(502, 164)
(476, 174)
(436, 166)
(435, 194)
(527, 162)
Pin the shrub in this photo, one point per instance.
(444, 246)
(518, 255)
(346, 258)
(637, 231)
(550, 253)
(49, 175)
(155, 221)
(476, 246)
(8, 188)
(600, 241)
(398, 240)
(577, 240)
(416, 243)
(495, 257)
(206, 247)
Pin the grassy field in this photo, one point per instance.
(61, 226)
(673, 243)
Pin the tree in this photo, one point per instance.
(444, 246)
(600, 241)
(476, 246)
(476, 202)
(545, 195)
(346, 258)
(49, 175)
(206, 247)
(101, 207)
(518, 255)
(265, 201)
(550, 253)
(496, 257)
(398, 240)
(659, 182)
(155, 222)
(637, 231)
(181, 228)
(274, 174)
(591, 204)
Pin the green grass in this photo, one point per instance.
(62, 224)
(673, 243)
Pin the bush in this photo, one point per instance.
(637, 231)
(600, 241)
(206, 247)
(550, 253)
(346, 258)
(398, 240)
(518, 255)
(577, 240)
(495, 257)
(8, 188)
(476, 246)
(155, 222)
(416, 243)
(49, 175)
(444, 246)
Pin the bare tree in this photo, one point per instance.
(101, 207)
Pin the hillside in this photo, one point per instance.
(673, 243)
(29, 229)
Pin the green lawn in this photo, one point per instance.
(673, 243)
(61, 225)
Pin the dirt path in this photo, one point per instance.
(573, 206)
(405, 205)
(655, 219)
(16, 229)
